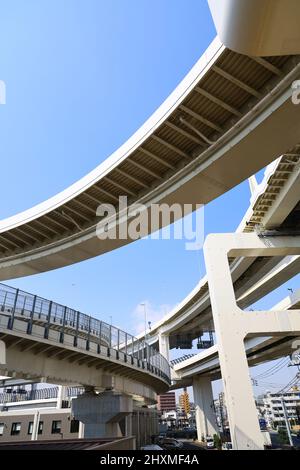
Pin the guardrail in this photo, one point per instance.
(12, 395)
(181, 359)
(76, 329)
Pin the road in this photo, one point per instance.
(191, 445)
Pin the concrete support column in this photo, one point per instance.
(2, 353)
(204, 404)
(101, 414)
(81, 430)
(164, 346)
(61, 396)
(229, 327)
(128, 425)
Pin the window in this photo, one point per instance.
(30, 428)
(1, 429)
(74, 427)
(15, 429)
(56, 427)
(41, 425)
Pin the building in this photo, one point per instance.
(272, 408)
(167, 402)
(168, 420)
(45, 414)
(184, 402)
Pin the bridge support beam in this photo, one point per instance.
(164, 345)
(204, 404)
(232, 325)
(102, 414)
(2, 353)
(61, 396)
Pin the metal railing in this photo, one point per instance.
(12, 395)
(43, 316)
(181, 359)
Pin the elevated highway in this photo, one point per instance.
(259, 350)
(46, 341)
(274, 207)
(241, 269)
(258, 27)
(230, 117)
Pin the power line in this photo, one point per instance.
(291, 383)
(273, 370)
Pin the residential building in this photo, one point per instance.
(184, 402)
(272, 408)
(166, 402)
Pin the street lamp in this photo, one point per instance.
(145, 336)
(145, 318)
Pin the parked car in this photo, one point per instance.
(151, 447)
(227, 446)
(209, 442)
(169, 443)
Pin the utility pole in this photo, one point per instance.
(286, 418)
(221, 412)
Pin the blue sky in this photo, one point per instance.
(81, 77)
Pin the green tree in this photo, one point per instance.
(217, 442)
(283, 436)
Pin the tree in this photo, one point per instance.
(217, 442)
(283, 436)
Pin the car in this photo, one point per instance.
(227, 446)
(209, 442)
(169, 443)
(151, 447)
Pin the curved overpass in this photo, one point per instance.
(258, 27)
(274, 205)
(230, 117)
(258, 350)
(50, 342)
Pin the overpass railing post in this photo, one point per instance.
(88, 334)
(62, 333)
(126, 350)
(100, 334)
(24, 303)
(118, 343)
(76, 330)
(4, 302)
(132, 349)
(11, 319)
(109, 339)
(138, 352)
(46, 332)
(30, 323)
